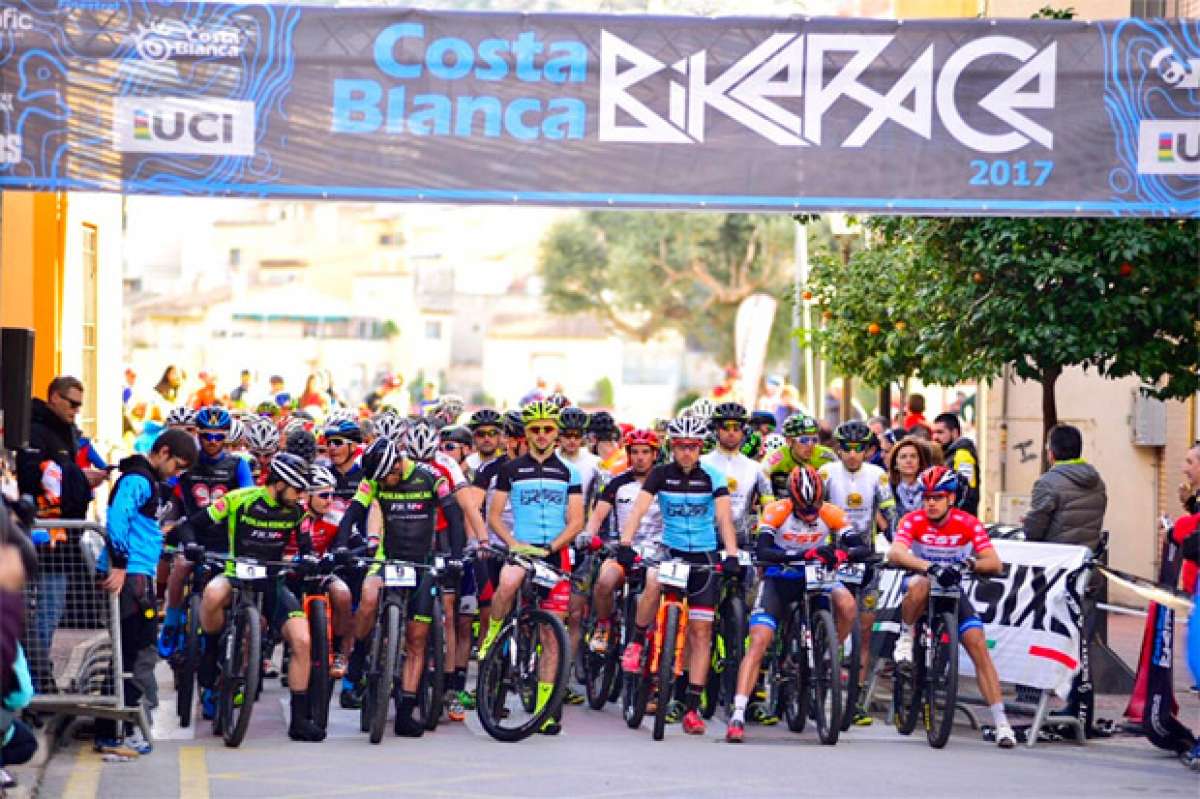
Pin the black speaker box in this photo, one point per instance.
(16, 384)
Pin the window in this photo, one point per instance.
(91, 265)
(391, 239)
(235, 257)
(433, 329)
(1148, 8)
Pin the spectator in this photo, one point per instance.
(789, 404)
(206, 395)
(240, 396)
(130, 559)
(47, 471)
(168, 385)
(279, 393)
(960, 452)
(916, 412)
(313, 395)
(1189, 489)
(907, 459)
(771, 394)
(1069, 500)
(17, 561)
(883, 442)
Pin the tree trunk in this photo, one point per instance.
(1050, 377)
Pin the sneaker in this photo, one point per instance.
(454, 708)
(137, 742)
(692, 723)
(631, 659)
(487, 642)
(305, 730)
(351, 699)
(1191, 758)
(902, 652)
(735, 732)
(208, 703)
(675, 710)
(408, 727)
(7, 781)
(169, 640)
(338, 669)
(115, 746)
(862, 718)
(550, 726)
(573, 697)
(599, 642)
(761, 715)
(1005, 737)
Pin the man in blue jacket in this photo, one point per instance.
(131, 559)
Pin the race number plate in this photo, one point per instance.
(249, 571)
(439, 563)
(852, 573)
(674, 573)
(399, 575)
(544, 576)
(815, 574)
(745, 559)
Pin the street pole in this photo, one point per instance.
(802, 317)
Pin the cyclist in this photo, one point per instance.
(606, 443)
(748, 486)
(572, 424)
(801, 527)
(484, 425)
(262, 442)
(182, 418)
(619, 496)
(547, 505)
(402, 497)
(320, 524)
(929, 542)
(802, 449)
(694, 501)
(258, 522)
(214, 474)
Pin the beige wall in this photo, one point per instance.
(1084, 9)
(1142, 482)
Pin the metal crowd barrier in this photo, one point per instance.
(80, 671)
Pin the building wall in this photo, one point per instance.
(512, 365)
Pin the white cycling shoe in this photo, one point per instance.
(1005, 737)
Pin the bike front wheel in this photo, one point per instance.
(319, 685)
(432, 689)
(381, 681)
(666, 669)
(825, 683)
(851, 668)
(941, 680)
(242, 675)
(523, 678)
(185, 675)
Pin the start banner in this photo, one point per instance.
(1032, 614)
(970, 116)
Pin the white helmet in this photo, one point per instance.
(389, 426)
(261, 436)
(691, 427)
(320, 477)
(236, 430)
(449, 407)
(703, 408)
(180, 416)
(422, 442)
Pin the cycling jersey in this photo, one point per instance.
(409, 511)
(860, 494)
(781, 462)
(959, 536)
(797, 537)
(688, 504)
(343, 494)
(485, 480)
(747, 486)
(257, 525)
(620, 493)
(208, 480)
(587, 465)
(321, 531)
(539, 492)
(453, 470)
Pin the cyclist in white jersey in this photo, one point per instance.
(573, 423)
(748, 484)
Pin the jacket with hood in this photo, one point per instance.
(962, 458)
(1068, 505)
(134, 536)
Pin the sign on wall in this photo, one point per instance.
(789, 114)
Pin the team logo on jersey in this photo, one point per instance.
(220, 505)
(854, 500)
(732, 482)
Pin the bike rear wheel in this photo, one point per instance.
(666, 669)
(851, 668)
(793, 674)
(381, 682)
(826, 678)
(509, 676)
(941, 680)
(431, 692)
(319, 685)
(185, 674)
(734, 628)
(242, 674)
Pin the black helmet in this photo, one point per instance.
(730, 412)
(514, 425)
(484, 417)
(457, 435)
(572, 418)
(853, 432)
(763, 417)
(303, 443)
(604, 427)
(291, 469)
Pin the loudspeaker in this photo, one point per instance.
(16, 384)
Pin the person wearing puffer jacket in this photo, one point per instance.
(1069, 500)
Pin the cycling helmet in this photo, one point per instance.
(456, 435)
(262, 436)
(379, 458)
(291, 469)
(301, 442)
(703, 408)
(539, 411)
(647, 438)
(800, 424)
(763, 417)
(304, 418)
(773, 443)
(181, 416)
(269, 409)
(236, 431)
(513, 428)
(939, 480)
(560, 399)
(320, 477)
(573, 419)
(730, 412)
(389, 426)
(422, 442)
(687, 428)
(603, 426)
(484, 417)
(806, 489)
(853, 432)
(342, 427)
(449, 407)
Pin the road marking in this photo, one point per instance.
(193, 773)
(84, 781)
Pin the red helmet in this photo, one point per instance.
(806, 489)
(647, 438)
(938, 480)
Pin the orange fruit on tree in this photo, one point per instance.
(901, 325)
(873, 329)
(806, 295)
(977, 277)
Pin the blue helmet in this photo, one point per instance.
(213, 417)
(343, 428)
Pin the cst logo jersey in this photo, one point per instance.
(539, 492)
(959, 536)
(860, 494)
(797, 536)
(621, 493)
(688, 504)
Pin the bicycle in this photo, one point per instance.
(320, 629)
(432, 689)
(803, 676)
(730, 628)
(507, 689)
(185, 659)
(853, 576)
(600, 669)
(931, 685)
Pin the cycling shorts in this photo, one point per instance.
(281, 605)
(968, 619)
(775, 595)
(704, 585)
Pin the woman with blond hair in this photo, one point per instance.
(908, 458)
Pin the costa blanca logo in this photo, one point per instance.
(1169, 147)
(167, 39)
(794, 67)
(1176, 72)
(14, 19)
(183, 125)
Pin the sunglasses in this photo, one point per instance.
(321, 494)
(686, 445)
(854, 447)
(806, 439)
(935, 497)
(571, 434)
(489, 432)
(337, 442)
(541, 431)
(76, 404)
(731, 425)
(212, 438)
(450, 446)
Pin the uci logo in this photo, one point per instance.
(184, 125)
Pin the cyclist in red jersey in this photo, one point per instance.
(930, 541)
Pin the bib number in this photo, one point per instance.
(544, 576)
(852, 573)
(249, 571)
(674, 573)
(399, 575)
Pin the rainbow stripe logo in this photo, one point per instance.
(1166, 147)
(141, 124)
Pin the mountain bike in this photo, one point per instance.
(730, 628)
(600, 669)
(185, 659)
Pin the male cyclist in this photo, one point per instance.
(694, 501)
(606, 443)
(404, 497)
(547, 505)
(320, 524)
(617, 499)
(747, 484)
(931, 542)
(214, 474)
(802, 449)
(484, 425)
(572, 424)
(802, 527)
(258, 522)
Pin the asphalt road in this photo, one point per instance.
(597, 756)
